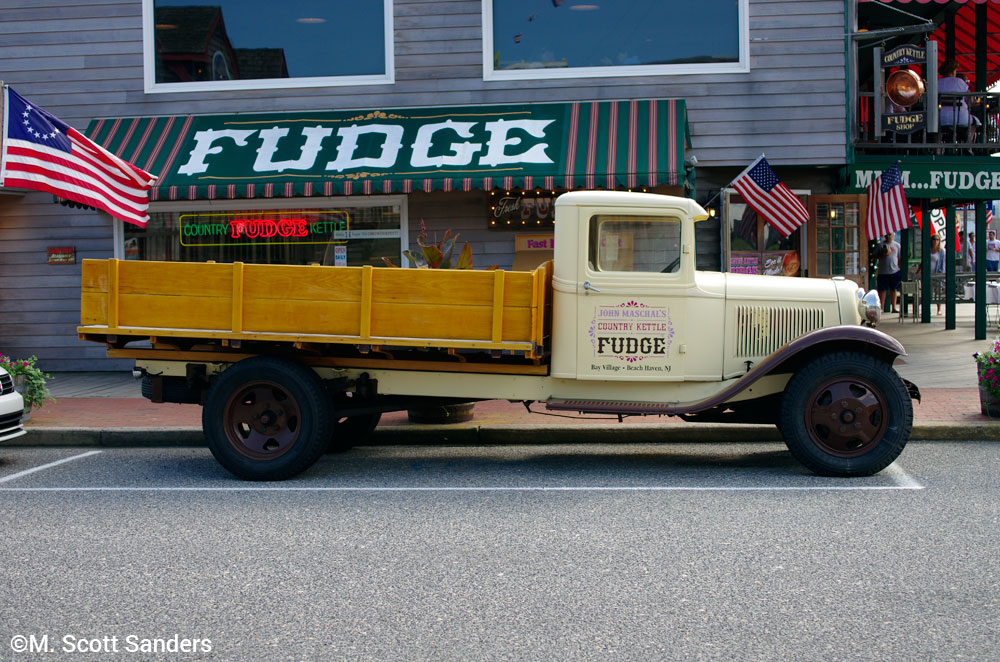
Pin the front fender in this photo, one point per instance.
(790, 356)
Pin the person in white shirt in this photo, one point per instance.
(889, 277)
(992, 251)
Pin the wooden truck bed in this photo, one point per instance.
(227, 306)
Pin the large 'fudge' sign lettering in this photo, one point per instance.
(975, 181)
(371, 145)
(630, 332)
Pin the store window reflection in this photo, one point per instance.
(756, 247)
(331, 235)
(224, 40)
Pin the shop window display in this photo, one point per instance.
(329, 235)
(756, 247)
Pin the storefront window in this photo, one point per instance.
(253, 44)
(338, 235)
(582, 38)
(755, 246)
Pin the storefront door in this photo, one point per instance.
(838, 245)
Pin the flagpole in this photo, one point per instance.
(3, 133)
(745, 170)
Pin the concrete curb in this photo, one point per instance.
(136, 437)
(487, 435)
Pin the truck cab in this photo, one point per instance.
(626, 295)
(630, 305)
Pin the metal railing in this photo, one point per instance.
(980, 137)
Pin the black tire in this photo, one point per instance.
(846, 414)
(266, 418)
(351, 431)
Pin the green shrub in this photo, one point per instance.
(35, 393)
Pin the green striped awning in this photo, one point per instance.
(593, 144)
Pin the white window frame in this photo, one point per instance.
(280, 203)
(742, 66)
(152, 87)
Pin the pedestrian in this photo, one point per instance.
(937, 267)
(972, 250)
(889, 277)
(992, 251)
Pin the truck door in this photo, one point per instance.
(639, 306)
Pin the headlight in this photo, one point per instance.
(869, 307)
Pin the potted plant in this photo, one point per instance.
(988, 369)
(29, 381)
(438, 255)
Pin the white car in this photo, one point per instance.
(11, 408)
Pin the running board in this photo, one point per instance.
(614, 407)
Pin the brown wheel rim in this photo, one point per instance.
(262, 420)
(846, 416)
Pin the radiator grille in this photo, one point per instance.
(6, 384)
(762, 329)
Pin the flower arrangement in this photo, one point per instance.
(988, 367)
(35, 392)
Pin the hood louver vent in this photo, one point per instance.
(760, 330)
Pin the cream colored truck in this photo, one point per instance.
(289, 360)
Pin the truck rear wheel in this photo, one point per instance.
(846, 414)
(266, 419)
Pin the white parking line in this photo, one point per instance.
(900, 481)
(901, 478)
(485, 488)
(7, 479)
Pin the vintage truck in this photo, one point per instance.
(287, 360)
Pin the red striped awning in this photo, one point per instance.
(939, 2)
(965, 35)
(594, 144)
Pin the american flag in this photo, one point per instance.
(887, 208)
(989, 212)
(762, 190)
(43, 153)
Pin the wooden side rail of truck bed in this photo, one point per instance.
(227, 304)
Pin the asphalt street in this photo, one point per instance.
(623, 552)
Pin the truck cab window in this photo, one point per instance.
(635, 244)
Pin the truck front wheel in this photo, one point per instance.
(266, 419)
(846, 414)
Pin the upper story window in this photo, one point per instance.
(525, 39)
(208, 45)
